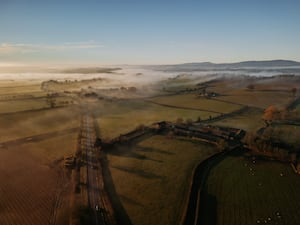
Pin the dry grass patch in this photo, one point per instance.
(26, 124)
(54, 148)
(22, 105)
(258, 98)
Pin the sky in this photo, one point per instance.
(147, 32)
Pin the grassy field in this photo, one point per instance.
(19, 125)
(262, 95)
(287, 133)
(152, 177)
(54, 149)
(19, 88)
(250, 121)
(22, 105)
(258, 99)
(200, 103)
(115, 118)
(252, 193)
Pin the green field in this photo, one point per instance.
(250, 120)
(200, 103)
(152, 177)
(252, 193)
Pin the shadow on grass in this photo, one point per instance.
(130, 152)
(145, 149)
(208, 209)
(121, 214)
(138, 172)
(130, 201)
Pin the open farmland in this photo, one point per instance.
(286, 133)
(250, 120)
(256, 92)
(251, 193)
(148, 177)
(25, 124)
(118, 117)
(152, 177)
(17, 88)
(31, 183)
(260, 99)
(32, 146)
(191, 101)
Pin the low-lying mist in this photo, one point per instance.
(147, 75)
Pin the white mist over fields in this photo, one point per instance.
(144, 75)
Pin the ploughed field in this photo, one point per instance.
(32, 146)
(28, 189)
(240, 190)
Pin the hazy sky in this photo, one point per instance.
(156, 31)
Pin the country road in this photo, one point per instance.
(97, 196)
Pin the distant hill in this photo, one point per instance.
(217, 66)
(268, 63)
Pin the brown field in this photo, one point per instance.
(24, 124)
(28, 188)
(30, 169)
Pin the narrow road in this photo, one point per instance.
(97, 196)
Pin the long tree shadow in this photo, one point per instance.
(130, 152)
(208, 209)
(147, 149)
(138, 172)
(130, 201)
(121, 214)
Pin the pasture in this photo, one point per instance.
(197, 103)
(251, 192)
